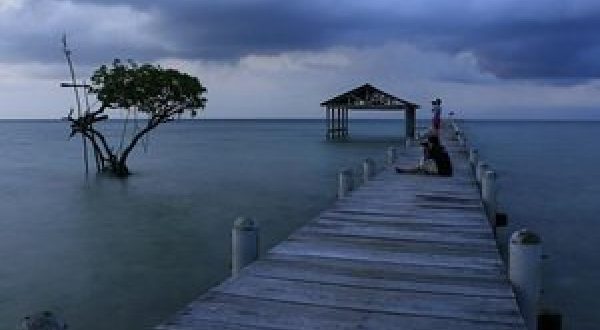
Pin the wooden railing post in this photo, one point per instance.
(488, 195)
(391, 155)
(244, 244)
(345, 182)
(525, 271)
(473, 157)
(479, 170)
(368, 169)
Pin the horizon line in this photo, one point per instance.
(319, 118)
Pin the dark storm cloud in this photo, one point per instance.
(547, 40)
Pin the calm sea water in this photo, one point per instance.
(124, 254)
(549, 182)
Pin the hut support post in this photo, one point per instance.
(343, 122)
(327, 136)
(410, 118)
(338, 124)
(346, 130)
(332, 128)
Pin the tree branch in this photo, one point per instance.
(109, 152)
(95, 145)
(152, 124)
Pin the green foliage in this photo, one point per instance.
(149, 88)
(160, 93)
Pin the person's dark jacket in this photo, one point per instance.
(442, 160)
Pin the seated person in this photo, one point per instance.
(436, 160)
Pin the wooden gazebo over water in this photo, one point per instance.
(365, 98)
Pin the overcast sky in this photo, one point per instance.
(280, 58)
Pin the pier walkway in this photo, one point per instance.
(401, 252)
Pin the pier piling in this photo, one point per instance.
(391, 156)
(488, 195)
(479, 170)
(368, 169)
(473, 157)
(345, 182)
(525, 269)
(244, 244)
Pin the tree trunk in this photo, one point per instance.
(114, 166)
(119, 165)
(110, 162)
(120, 169)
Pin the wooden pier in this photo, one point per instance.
(400, 252)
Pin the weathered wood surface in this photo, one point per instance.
(401, 252)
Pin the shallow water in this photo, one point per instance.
(125, 254)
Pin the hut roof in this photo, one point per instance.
(367, 97)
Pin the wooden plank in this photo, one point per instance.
(384, 205)
(270, 314)
(409, 223)
(482, 309)
(394, 244)
(393, 271)
(409, 217)
(393, 230)
(213, 325)
(361, 276)
(374, 253)
(400, 237)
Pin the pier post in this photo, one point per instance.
(473, 157)
(462, 139)
(368, 169)
(525, 269)
(244, 244)
(488, 195)
(479, 170)
(391, 155)
(345, 182)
